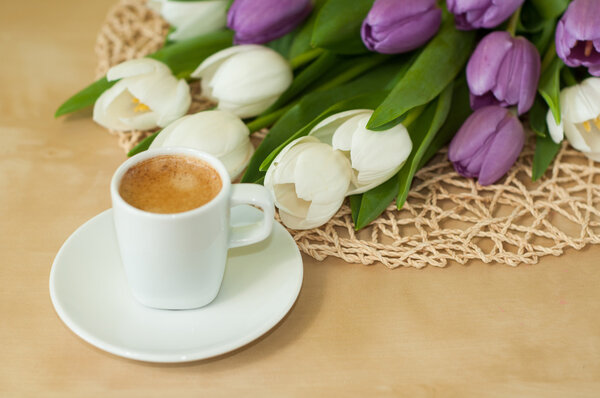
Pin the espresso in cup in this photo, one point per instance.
(170, 184)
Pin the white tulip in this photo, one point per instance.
(375, 156)
(308, 180)
(219, 133)
(580, 118)
(191, 18)
(244, 79)
(146, 96)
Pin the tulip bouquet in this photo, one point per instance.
(359, 95)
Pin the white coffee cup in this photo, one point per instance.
(177, 261)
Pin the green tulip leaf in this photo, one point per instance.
(337, 26)
(283, 44)
(311, 105)
(375, 201)
(550, 9)
(545, 152)
(143, 145)
(355, 206)
(422, 133)
(309, 75)
(549, 86)
(182, 57)
(436, 66)
(301, 43)
(459, 112)
(537, 117)
(432, 129)
(544, 37)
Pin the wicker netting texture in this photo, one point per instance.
(447, 218)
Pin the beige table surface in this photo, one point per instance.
(476, 330)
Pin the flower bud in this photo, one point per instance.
(260, 21)
(578, 35)
(580, 118)
(475, 14)
(374, 156)
(308, 181)
(503, 70)
(244, 80)
(397, 26)
(146, 96)
(219, 133)
(487, 144)
(191, 18)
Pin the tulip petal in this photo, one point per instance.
(137, 67)
(395, 26)
(251, 76)
(557, 131)
(236, 161)
(262, 21)
(379, 150)
(580, 103)
(327, 127)
(530, 75)
(474, 132)
(302, 223)
(142, 121)
(509, 78)
(576, 137)
(595, 156)
(484, 64)
(247, 110)
(101, 114)
(215, 60)
(163, 136)
(503, 151)
(343, 137)
(194, 18)
(322, 174)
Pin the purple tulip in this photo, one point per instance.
(578, 35)
(503, 70)
(487, 144)
(475, 14)
(397, 26)
(260, 21)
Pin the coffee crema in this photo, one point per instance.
(170, 184)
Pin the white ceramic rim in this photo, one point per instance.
(168, 358)
(150, 153)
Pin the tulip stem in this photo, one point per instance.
(305, 58)
(514, 22)
(353, 72)
(268, 119)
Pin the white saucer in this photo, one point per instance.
(89, 292)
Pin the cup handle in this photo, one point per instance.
(252, 194)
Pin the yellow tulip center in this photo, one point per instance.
(139, 106)
(589, 46)
(588, 127)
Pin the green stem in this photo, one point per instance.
(549, 56)
(268, 119)
(353, 72)
(514, 22)
(305, 58)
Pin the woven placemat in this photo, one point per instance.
(446, 217)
